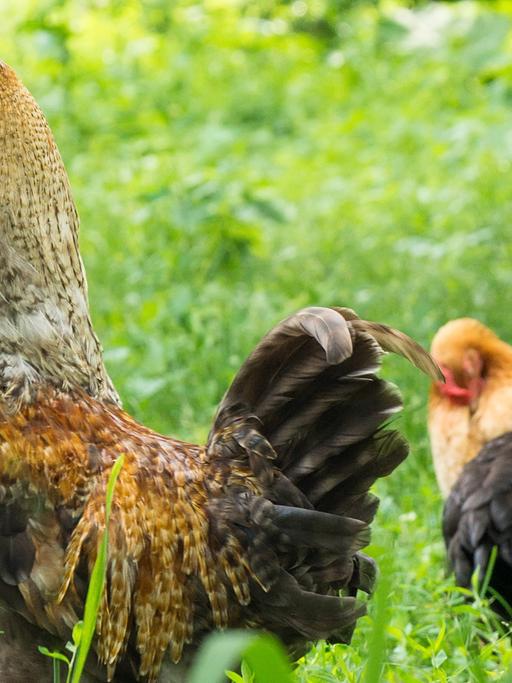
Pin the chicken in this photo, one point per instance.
(470, 423)
(261, 528)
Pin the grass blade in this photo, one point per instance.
(377, 648)
(96, 583)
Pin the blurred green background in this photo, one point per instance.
(233, 161)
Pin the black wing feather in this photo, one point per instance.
(478, 515)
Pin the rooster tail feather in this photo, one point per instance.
(307, 413)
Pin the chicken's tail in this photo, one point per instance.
(307, 410)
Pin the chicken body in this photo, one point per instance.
(260, 528)
(469, 420)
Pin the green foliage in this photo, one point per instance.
(234, 161)
(83, 631)
(264, 657)
(377, 643)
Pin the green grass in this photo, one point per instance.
(234, 161)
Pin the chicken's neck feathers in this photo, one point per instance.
(46, 332)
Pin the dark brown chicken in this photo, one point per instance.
(260, 528)
(470, 418)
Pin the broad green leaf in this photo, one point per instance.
(221, 651)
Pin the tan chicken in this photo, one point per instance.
(260, 528)
(470, 419)
(474, 404)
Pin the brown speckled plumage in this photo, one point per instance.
(45, 327)
(261, 528)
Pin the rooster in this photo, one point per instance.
(470, 425)
(261, 528)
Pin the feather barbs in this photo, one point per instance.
(159, 533)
